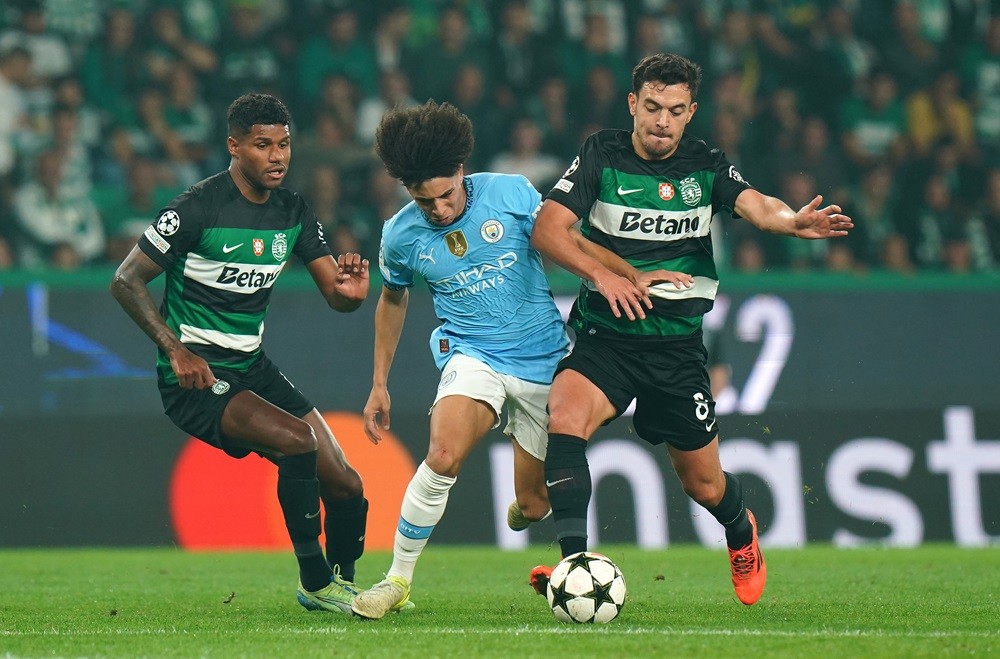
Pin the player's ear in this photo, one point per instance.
(232, 145)
(694, 108)
(632, 100)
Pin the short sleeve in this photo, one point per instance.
(578, 188)
(527, 201)
(729, 183)
(311, 244)
(175, 231)
(396, 274)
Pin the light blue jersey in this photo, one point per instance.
(486, 280)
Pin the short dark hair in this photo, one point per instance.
(428, 141)
(669, 69)
(251, 109)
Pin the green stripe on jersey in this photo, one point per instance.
(696, 265)
(654, 192)
(198, 315)
(231, 245)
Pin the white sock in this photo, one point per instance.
(423, 505)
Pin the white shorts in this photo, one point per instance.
(527, 417)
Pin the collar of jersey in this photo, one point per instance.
(467, 184)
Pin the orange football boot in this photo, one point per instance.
(539, 578)
(749, 570)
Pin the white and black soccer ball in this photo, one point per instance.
(586, 587)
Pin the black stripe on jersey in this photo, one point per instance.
(688, 308)
(633, 248)
(232, 302)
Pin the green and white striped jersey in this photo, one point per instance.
(654, 214)
(222, 254)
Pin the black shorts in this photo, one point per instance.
(669, 382)
(199, 411)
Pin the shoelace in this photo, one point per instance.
(744, 562)
(349, 586)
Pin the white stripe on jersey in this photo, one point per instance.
(234, 277)
(647, 224)
(704, 287)
(209, 337)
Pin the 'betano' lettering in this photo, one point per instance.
(243, 279)
(659, 225)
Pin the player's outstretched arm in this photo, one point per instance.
(390, 313)
(553, 236)
(343, 282)
(811, 222)
(130, 288)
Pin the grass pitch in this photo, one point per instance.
(475, 602)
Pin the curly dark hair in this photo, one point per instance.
(420, 143)
(251, 109)
(669, 69)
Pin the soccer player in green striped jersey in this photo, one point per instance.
(649, 195)
(223, 243)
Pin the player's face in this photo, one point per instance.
(442, 199)
(262, 156)
(660, 115)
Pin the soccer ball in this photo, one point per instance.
(585, 588)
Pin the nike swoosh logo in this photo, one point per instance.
(226, 248)
(623, 191)
(561, 480)
(312, 515)
(709, 426)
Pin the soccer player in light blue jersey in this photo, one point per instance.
(501, 336)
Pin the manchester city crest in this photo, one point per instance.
(690, 191)
(492, 231)
(279, 248)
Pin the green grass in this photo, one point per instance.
(475, 602)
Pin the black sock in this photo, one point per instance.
(733, 515)
(567, 476)
(345, 532)
(298, 494)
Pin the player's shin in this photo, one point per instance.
(567, 477)
(345, 524)
(298, 494)
(423, 505)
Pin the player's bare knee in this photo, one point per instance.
(298, 438)
(565, 421)
(533, 508)
(443, 462)
(704, 492)
(351, 483)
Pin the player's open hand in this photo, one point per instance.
(661, 276)
(376, 411)
(352, 277)
(813, 222)
(191, 370)
(623, 296)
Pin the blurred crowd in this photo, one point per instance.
(890, 108)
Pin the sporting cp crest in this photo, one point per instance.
(457, 244)
(690, 191)
(279, 247)
(258, 246)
